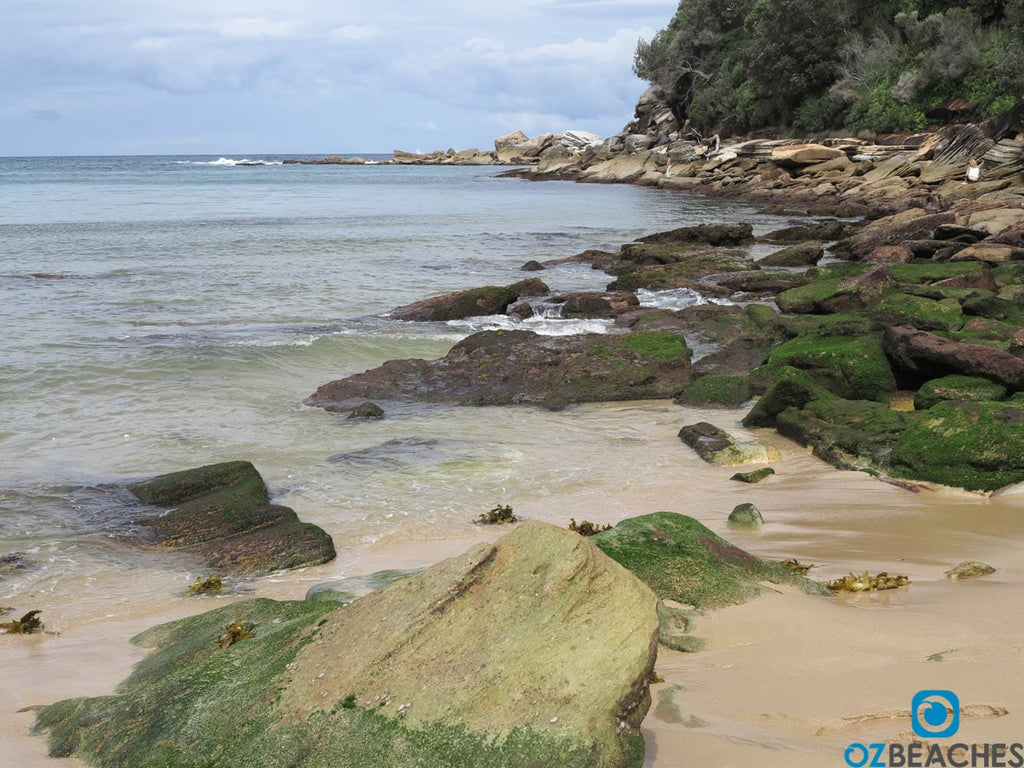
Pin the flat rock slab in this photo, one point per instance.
(533, 652)
(508, 367)
(222, 513)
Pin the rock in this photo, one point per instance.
(956, 387)
(890, 254)
(14, 562)
(755, 476)
(590, 304)
(854, 367)
(977, 446)
(746, 517)
(728, 391)
(351, 588)
(971, 569)
(510, 139)
(798, 155)
(488, 300)
(710, 234)
(716, 446)
(438, 669)
(799, 255)
(506, 367)
(991, 253)
(684, 561)
(366, 411)
(580, 140)
(822, 230)
(223, 514)
(931, 356)
(532, 266)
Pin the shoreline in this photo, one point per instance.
(737, 731)
(813, 512)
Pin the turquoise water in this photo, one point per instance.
(166, 312)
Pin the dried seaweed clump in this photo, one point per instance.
(235, 632)
(796, 566)
(28, 624)
(208, 586)
(587, 528)
(866, 583)
(500, 515)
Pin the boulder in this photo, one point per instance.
(580, 140)
(798, 155)
(716, 446)
(222, 513)
(534, 651)
(487, 300)
(510, 139)
(971, 569)
(507, 367)
(930, 356)
(991, 253)
(709, 234)
(684, 561)
(800, 255)
(745, 517)
(754, 476)
(956, 387)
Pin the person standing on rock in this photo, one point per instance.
(668, 167)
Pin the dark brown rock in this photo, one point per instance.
(931, 356)
(488, 300)
(508, 367)
(223, 514)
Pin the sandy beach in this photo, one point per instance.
(786, 680)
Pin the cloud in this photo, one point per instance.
(352, 33)
(579, 79)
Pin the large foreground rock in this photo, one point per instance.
(222, 513)
(534, 652)
(506, 367)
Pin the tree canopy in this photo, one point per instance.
(817, 65)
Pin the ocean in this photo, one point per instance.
(168, 312)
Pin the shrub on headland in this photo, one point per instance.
(816, 65)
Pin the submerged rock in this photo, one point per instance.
(223, 514)
(533, 652)
(716, 446)
(507, 367)
(746, 516)
(972, 569)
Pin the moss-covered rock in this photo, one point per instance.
(441, 669)
(978, 446)
(957, 387)
(684, 561)
(746, 517)
(222, 513)
(790, 388)
(727, 391)
(800, 255)
(754, 476)
(851, 367)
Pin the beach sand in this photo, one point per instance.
(786, 680)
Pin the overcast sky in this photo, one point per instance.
(232, 77)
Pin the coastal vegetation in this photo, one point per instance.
(809, 66)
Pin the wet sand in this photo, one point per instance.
(786, 680)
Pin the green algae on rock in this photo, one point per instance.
(746, 516)
(728, 391)
(957, 387)
(683, 560)
(535, 651)
(222, 512)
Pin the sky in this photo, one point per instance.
(230, 77)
